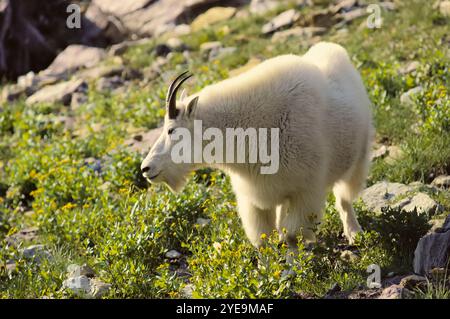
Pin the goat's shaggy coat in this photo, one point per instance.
(321, 107)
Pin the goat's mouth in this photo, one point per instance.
(152, 177)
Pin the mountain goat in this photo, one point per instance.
(321, 108)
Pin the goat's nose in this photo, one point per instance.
(145, 169)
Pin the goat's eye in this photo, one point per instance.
(170, 131)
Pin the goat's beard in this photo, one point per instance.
(176, 180)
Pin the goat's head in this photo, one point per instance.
(158, 166)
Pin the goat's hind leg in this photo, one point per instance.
(345, 191)
(300, 216)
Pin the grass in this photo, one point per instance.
(100, 212)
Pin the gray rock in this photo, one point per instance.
(409, 68)
(298, 32)
(383, 194)
(442, 181)
(103, 25)
(349, 255)
(10, 266)
(78, 99)
(220, 53)
(98, 288)
(412, 281)
(75, 270)
(57, 93)
(203, 221)
(79, 285)
(86, 287)
(261, 7)
(175, 44)
(393, 292)
(149, 17)
(212, 16)
(100, 71)
(207, 47)
(322, 18)
(109, 83)
(187, 291)
(344, 6)
(395, 153)
(73, 58)
(444, 8)
(388, 5)
(433, 250)
(407, 97)
(420, 202)
(353, 14)
(173, 254)
(36, 253)
(122, 47)
(283, 20)
(24, 235)
(379, 152)
(142, 143)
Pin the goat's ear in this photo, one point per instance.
(190, 108)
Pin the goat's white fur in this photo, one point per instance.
(321, 107)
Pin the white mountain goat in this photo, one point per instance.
(322, 110)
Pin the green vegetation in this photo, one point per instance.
(84, 192)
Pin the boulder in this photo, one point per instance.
(383, 194)
(442, 181)
(433, 250)
(444, 8)
(82, 282)
(212, 16)
(24, 235)
(79, 285)
(349, 16)
(98, 288)
(420, 202)
(395, 153)
(173, 254)
(344, 6)
(75, 270)
(152, 17)
(31, 34)
(298, 32)
(202, 221)
(75, 57)
(407, 97)
(142, 143)
(61, 92)
(413, 281)
(100, 71)
(109, 83)
(207, 47)
(394, 292)
(36, 253)
(379, 152)
(409, 68)
(261, 7)
(322, 18)
(283, 20)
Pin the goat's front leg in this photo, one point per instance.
(256, 221)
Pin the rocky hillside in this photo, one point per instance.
(77, 219)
